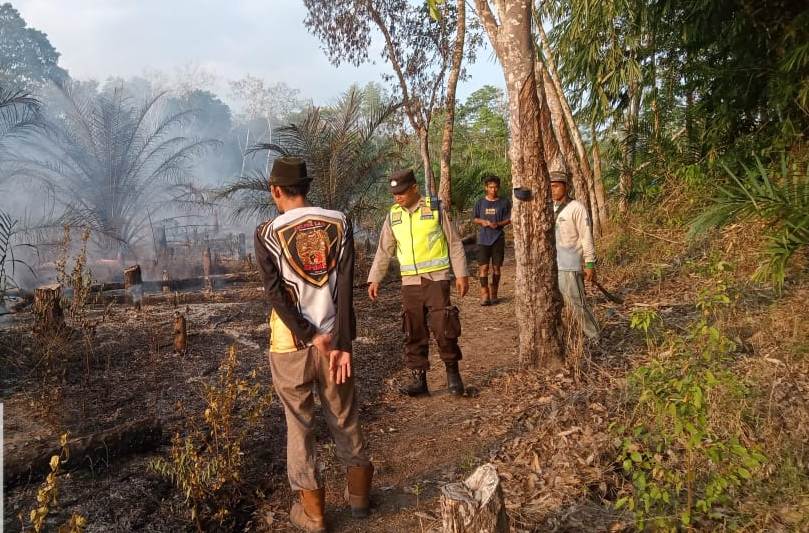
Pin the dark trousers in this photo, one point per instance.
(426, 308)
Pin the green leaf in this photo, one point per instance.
(743, 473)
(621, 502)
(685, 518)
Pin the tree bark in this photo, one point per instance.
(553, 154)
(424, 150)
(48, 308)
(476, 505)
(581, 186)
(599, 208)
(601, 194)
(539, 302)
(445, 183)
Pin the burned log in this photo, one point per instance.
(48, 308)
(180, 334)
(476, 505)
(133, 284)
(32, 462)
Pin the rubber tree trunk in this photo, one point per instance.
(585, 188)
(575, 133)
(445, 183)
(581, 186)
(424, 150)
(601, 194)
(553, 155)
(538, 301)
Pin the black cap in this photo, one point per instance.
(401, 180)
(288, 171)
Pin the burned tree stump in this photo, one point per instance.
(165, 286)
(133, 284)
(48, 307)
(476, 505)
(206, 269)
(242, 247)
(180, 334)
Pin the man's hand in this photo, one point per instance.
(493, 225)
(373, 290)
(462, 284)
(589, 275)
(322, 341)
(339, 366)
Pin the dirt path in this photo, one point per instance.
(419, 444)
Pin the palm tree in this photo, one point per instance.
(19, 112)
(342, 149)
(107, 162)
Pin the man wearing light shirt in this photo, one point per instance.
(574, 247)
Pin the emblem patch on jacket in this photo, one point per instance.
(311, 247)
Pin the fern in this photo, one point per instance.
(781, 200)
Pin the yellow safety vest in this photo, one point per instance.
(421, 246)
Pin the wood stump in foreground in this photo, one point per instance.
(48, 307)
(476, 505)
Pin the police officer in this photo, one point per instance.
(420, 233)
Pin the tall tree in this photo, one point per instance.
(445, 183)
(27, 58)
(417, 47)
(558, 100)
(538, 305)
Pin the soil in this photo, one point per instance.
(546, 432)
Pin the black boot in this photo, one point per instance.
(454, 382)
(417, 386)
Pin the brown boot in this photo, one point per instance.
(308, 513)
(358, 488)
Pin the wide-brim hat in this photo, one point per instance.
(559, 176)
(288, 171)
(401, 180)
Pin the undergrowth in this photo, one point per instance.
(207, 464)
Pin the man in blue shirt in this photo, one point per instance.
(492, 214)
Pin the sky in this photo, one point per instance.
(264, 38)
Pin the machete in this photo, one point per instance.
(611, 297)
